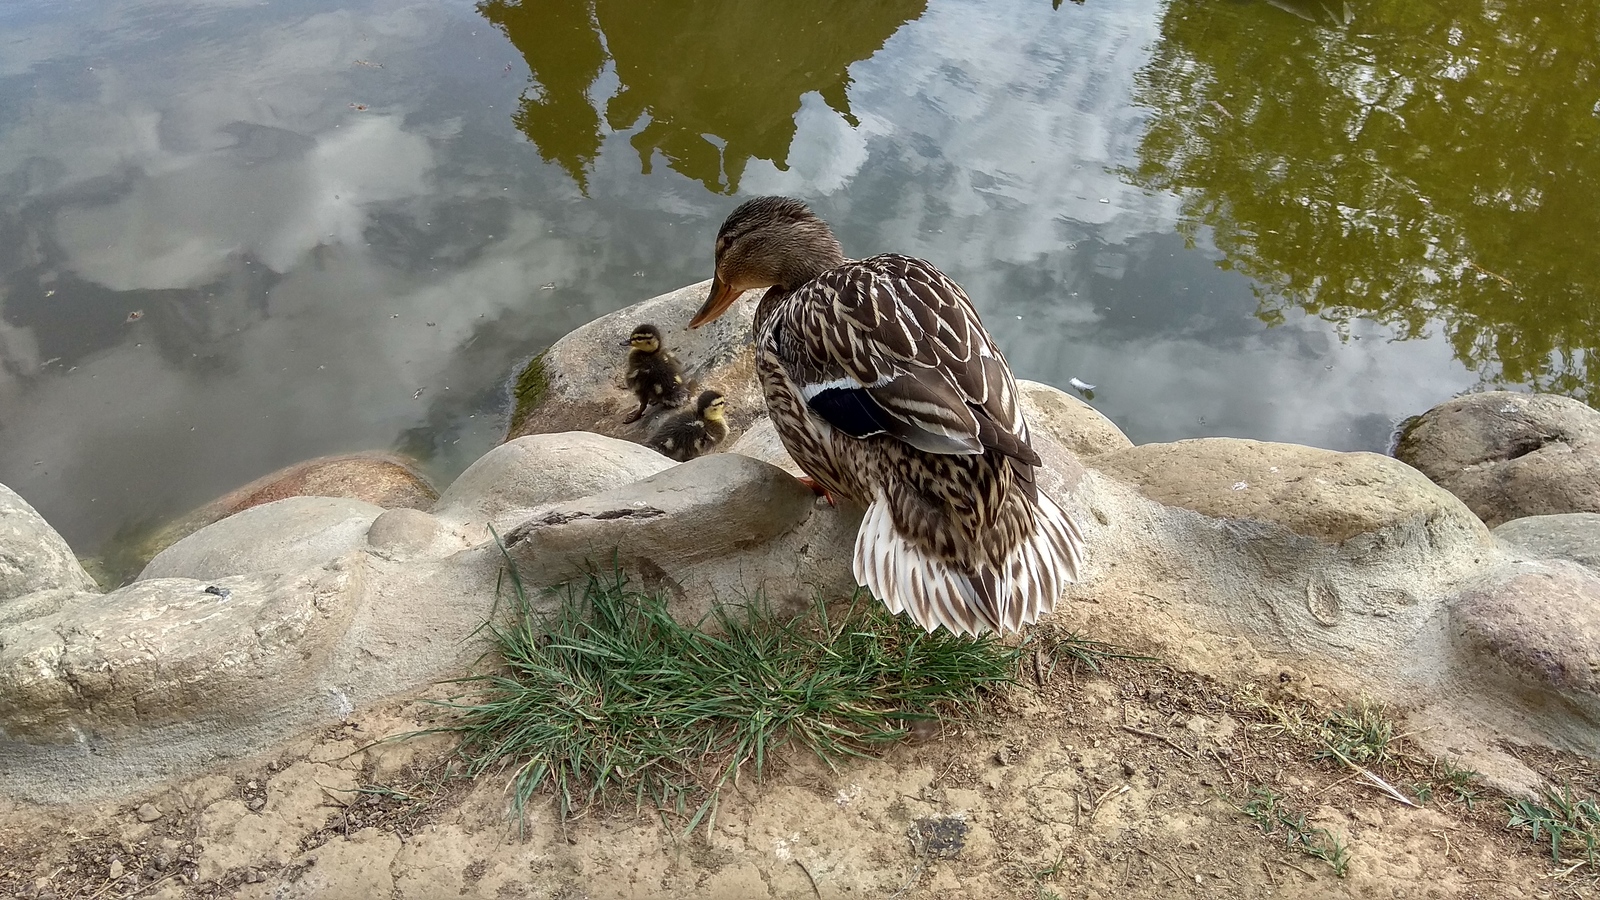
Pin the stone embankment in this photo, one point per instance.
(1230, 557)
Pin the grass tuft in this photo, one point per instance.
(1272, 816)
(1569, 823)
(611, 697)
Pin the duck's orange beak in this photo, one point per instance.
(722, 297)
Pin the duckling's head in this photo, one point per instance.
(765, 242)
(710, 406)
(645, 339)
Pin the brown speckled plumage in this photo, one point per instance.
(886, 389)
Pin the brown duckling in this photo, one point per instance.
(690, 434)
(653, 373)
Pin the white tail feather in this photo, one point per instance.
(934, 593)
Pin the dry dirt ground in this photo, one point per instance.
(1130, 782)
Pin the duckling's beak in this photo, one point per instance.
(722, 297)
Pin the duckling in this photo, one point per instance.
(690, 434)
(653, 373)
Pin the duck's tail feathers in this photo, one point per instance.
(935, 592)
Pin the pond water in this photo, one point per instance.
(235, 235)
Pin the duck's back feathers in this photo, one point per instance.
(891, 345)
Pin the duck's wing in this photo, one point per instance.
(891, 345)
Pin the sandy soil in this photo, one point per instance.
(1126, 783)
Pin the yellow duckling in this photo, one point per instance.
(653, 373)
(693, 433)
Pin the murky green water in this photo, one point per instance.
(235, 235)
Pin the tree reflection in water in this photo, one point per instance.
(714, 82)
(1412, 163)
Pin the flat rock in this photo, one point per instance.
(1538, 623)
(382, 479)
(543, 468)
(722, 528)
(1076, 425)
(577, 385)
(164, 651)
(37, 569)
(1320, 494)
(1572, 536)
(287, 535)
(1509, 455)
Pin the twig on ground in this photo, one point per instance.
(1163, 739)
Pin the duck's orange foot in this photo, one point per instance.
(822, 492)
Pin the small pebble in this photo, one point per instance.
(254, 877)
(148, 813)
(256, 803)
(1127, 768)
(115, 870)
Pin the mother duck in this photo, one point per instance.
(888, 392)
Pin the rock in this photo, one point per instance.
(760, 441)
(576, 385)
(410, 533)
(148, 812)
(1321, 494)
(1539, 625)
(1078, 426)
(1573, 536)
(380, 479)
(1509, 455)
(542, 468)
(722, 528)
(283, 536)
(37, 569)
(167, 650)
(1346, 558)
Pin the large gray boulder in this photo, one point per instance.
(167, 651)
(37, 569)
(577, 385)
(289, 535)
(1306, 550)
(1509, 455)
(722, 528)
(1572, 536)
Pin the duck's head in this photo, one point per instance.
(710, 406)
(765, 242)
(645, 339)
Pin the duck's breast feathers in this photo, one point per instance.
(891, 345)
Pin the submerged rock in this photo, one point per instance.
(1509, 455)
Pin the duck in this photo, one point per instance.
(886, 389)
(695, 432)
(653, 374)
